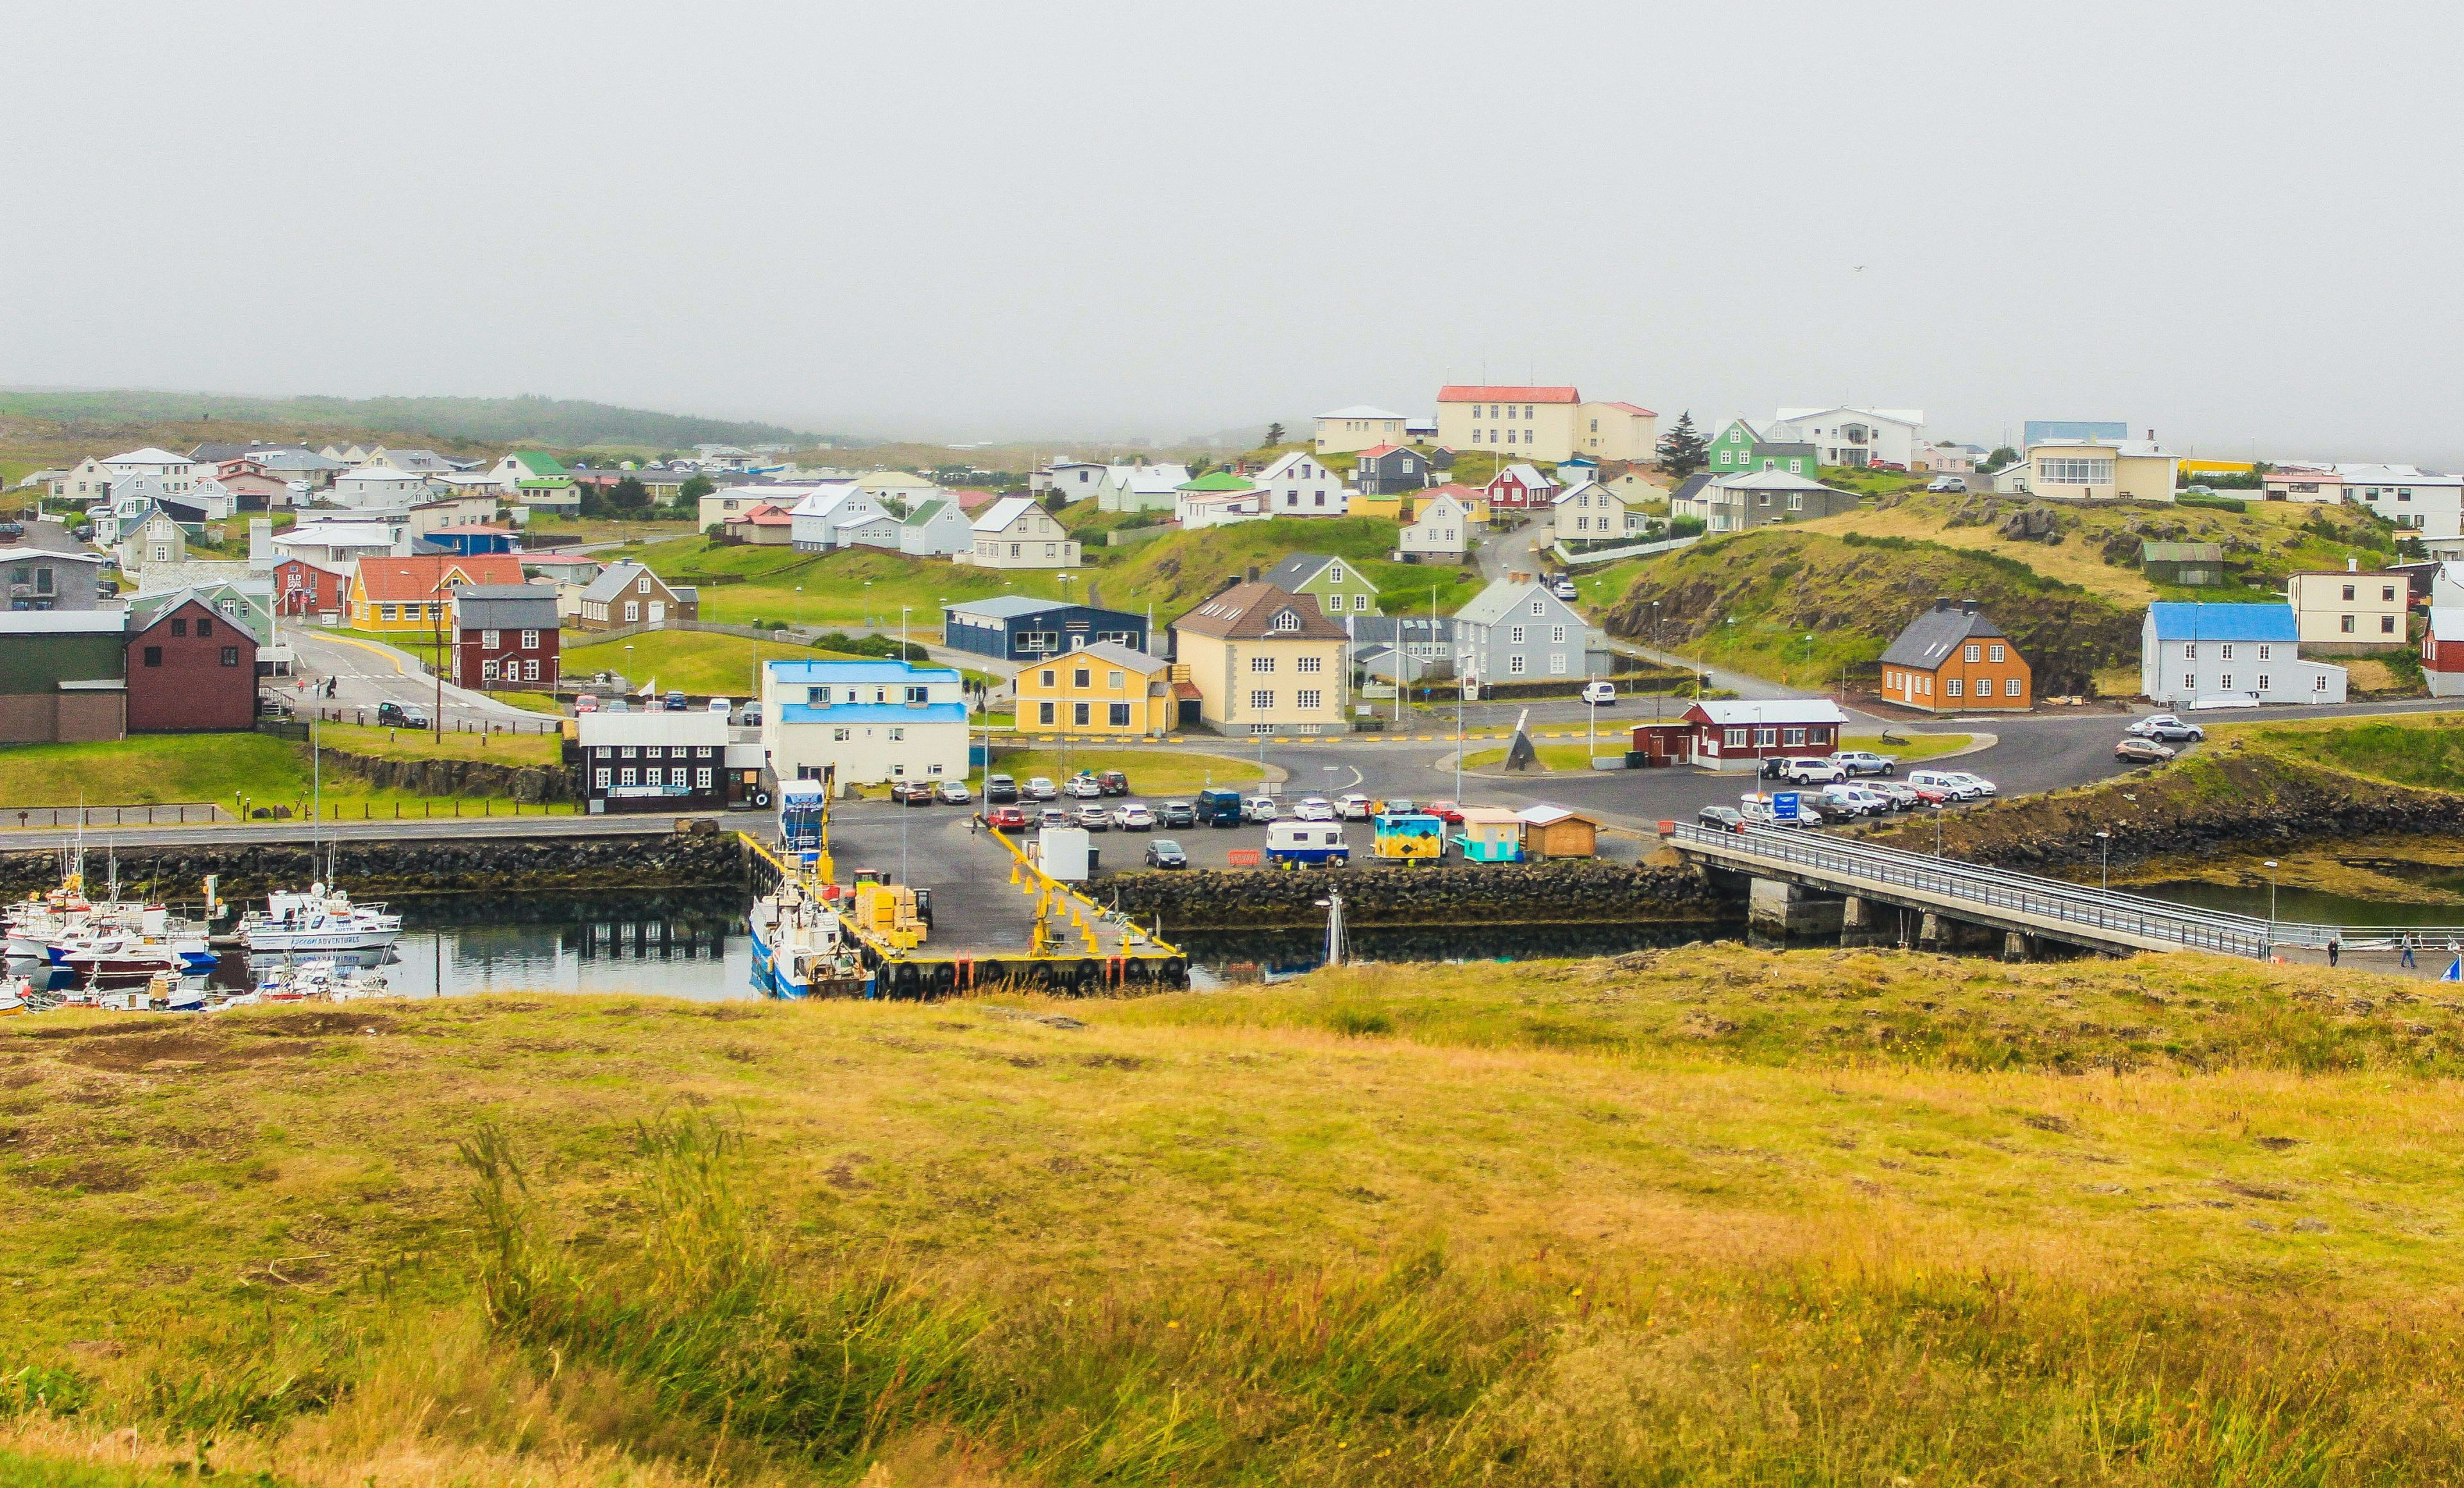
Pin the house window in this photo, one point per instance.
(918, 694)
(1995, 652)
(838, 735)
(1514, 635)
(642, 585)
(633, 611)
(2319, 683)
(1953, 686)
(2191, 681)
(2264, 682)
(1734, 738)
(1261, 697)
(1051, 677)
(600, 779)
(1973, 653)
(1308, 663)
(627, 775)
(2189, 653)
(702, 779)
(2010, 687)
(2347, 623)
(179, 627)
(2262, 653)
(2348, 593)
(529, 670)
(1120, 716)
(1262, 663)
(487, 669)
(2386, 593)
(2226, 651)
(487, 640)
(530, 640)
(1537, 608)
(1766, 738)
(1287, 619)
(2225, 681)
(153, 656)
(2076, 472)
(653, 776)
(1557, 635)
(1792, 737)
(1514, 666)
(1078, 713)
(898, 736)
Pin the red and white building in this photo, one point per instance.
(302, 588)
(1519, 487)
(2442, 651)
(254, 488)
(1738, 737)
(505, 636)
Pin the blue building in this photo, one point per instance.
(2230, 656)
(1015, 627)
(465, 541)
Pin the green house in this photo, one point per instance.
(1741, 447)
(1339, 587)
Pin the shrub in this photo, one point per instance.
(2219, 503)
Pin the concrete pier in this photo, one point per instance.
(1781, 909)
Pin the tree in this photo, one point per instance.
(1682, 449)
(2002, 456)
(697, 487)
(629, 495)
(1274, 433)
(1055, 500)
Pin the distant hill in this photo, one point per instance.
(558, 423)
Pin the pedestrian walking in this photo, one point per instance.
(2335, 948)
(2405, 942)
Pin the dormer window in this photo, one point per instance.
(1287, 620)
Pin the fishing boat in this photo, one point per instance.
(801, 949)
(320, 980)
(16, 996)
(320, 920)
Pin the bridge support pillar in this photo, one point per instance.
(1782, 908)
(1863, 922)
(2018, 946)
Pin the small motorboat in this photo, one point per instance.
(320, 980)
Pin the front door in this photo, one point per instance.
(658, 612)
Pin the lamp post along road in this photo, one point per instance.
(2103, 860)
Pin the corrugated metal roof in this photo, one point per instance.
(2177, 621)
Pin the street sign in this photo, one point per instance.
(1784, 805)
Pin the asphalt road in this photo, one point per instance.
(366, 673)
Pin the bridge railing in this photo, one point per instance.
(1999, 888)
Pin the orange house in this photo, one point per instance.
(410, 595)
(1950, 659)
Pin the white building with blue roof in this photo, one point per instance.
(2230, 656)
(876, 721)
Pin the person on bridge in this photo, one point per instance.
(2335, 948)
(2405, 942)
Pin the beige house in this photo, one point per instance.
(1358, 427)
(1544, 423)
(1590, 511)
(1442, 530)
(2347, 610)
(1264, 661)
(910, 491)
(1016, 532)
(2093, 470)
(713, 509)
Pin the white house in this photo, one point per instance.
(1443, 529)
(2228, 656)
(903, 487)
(1300, 485)
(884, 531)
(824, 515)
(174, 471)
(212, 497)
(1140, 488)
(1075, 479)
(936, 529)
(1590, 511)
(724, 457)
(416, 462)
(1359, 428)
(339, 545)
(873, 721)
(2322, 484)
(1017, 532)
(2425, 501)
(1193, 509)
(381, 488)
(1853, 436)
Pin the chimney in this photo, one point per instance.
(1517, 576)
(1250, 575)
(1941, 605)
(2151, 436)
(2352, 565)
(1967, 606)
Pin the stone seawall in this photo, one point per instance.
(530, 785)
(375, 869)
(1567, 893)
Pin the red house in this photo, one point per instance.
(1739, 736)
(253, 488)
(191, 666)
(2442, 651)
(505, 636)
(1519, 487)
(304, 588)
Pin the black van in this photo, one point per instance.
(1219, 808)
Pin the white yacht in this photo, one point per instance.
(320, 921)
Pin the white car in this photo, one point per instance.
(1813, 772)
(1903, 797)
(1977, 783)
(1946, 483)
(2168, 729)
(1038, 788)
(1858, 799)
(1313, 808)
(1134, 817)
(1354, 807)
(1602, 691)
(1962, 787)
(1085, 787)
(1858, 761)
(1261, 808)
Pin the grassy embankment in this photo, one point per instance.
(1613, 742)
(1705, 1216)
(1151, 772)
(226, 768)
(698, 662)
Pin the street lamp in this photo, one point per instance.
(2271, 904)
(2104, 860)
(1658, 657)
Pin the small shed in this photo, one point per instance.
(2196, 565)
(1555, 832)
(1491, 834)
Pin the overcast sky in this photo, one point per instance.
(2233, 224)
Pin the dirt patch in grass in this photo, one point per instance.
(93, 1177)
(315, 1024)
(189, 1051)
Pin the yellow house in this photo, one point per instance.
(410, 595)
(1105, 689)
(1389, 508)
(1264, 661)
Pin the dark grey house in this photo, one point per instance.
(46, 569)
(1017, 628)
(1391, 470)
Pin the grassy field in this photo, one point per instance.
(699, 662)
(1705, 1216)
(151, 769)
(504, 749)
(1553, 756)
(1919, 746)
(1151, 772)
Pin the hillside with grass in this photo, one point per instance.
(1702, 1216)
(555, 423)
(229, 769)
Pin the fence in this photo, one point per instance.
(296, 727)
(1611, 555)
(161, 814)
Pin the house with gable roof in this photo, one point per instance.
(1391, 470)
(1219, 499)
(827, 515)
(2194, 655)
(628, 594)
(407, 596)
(1853, 436)
(191, 662)
(761, 525)
(1140, 488)
(1590, 511)
(1441, 529)
(174, 471)
(1337, 585)
(1264, 662)
(1519, 487)
(1741, 447)
(1545, 424)
(1017, 532)
(938, 527)
(1953, 658)
(536, 478)
(1755, 498)
(1515, 630)
(1359, 427)
(1298, 484)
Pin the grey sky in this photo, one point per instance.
(2227, 223)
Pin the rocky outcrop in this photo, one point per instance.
(1567, 892)
(530, 785)
(374, 869)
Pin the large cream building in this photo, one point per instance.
(2100, 471)
(1358, 427)
(1545, 423)
(1264, 661)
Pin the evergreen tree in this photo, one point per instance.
(1274, 434)
(630, 494)
(2002, 456)
(1682, 449)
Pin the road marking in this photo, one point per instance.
(380, 653)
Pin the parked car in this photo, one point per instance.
(1313, 808)
(1399, 806)
(1165, 853)
(1901, 796)
(1113, 783)
(1759, 810)
(585, 704)
(750, 717)
(1950, 782)
(2142, 752)
(1932, 796)
(912, 793)
(1887, 464)
(399, 716)
(1134, 817)
(1859, 761)
(1977, 783)
(676, 702)
(1084, 787)
(11, 532)
(1563, 589)
(1814, 771)
(1053, 816)
(1720, 819)
(1446, 810)
(2168, 728)
(999, 788)
(1946, 483)
(1261, 808)
(1177, 812)
(721, 707)
(1039, 788)
(1007, 818)
(955, 793)
(1828, 810)
(1601, 690)
(617, 705)
(1095, 819)
(1354, 807)
(1857, 799)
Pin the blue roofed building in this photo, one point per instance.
(1015, 627)
(2230, 656)
(876, 721)
(2055, 432)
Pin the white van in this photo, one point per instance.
(1601, 690)
(1764, 811)
(1956, 781)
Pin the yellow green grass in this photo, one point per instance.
(1710, 1215)
(699, 662)
(503, 749)
(529, 701)
(1151, 772)
(225, 768)
(1907, 748)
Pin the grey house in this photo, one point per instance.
(1415, 647)
(1738, 503)
(1391, 470)
(48, 569)
(1515, 630)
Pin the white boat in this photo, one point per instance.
(320, 980)
(801, 949)
(13, 995)
(320, 919)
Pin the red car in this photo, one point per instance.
(1007, 819)
(1933, 795)
(1446, 810)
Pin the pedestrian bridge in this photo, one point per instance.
(1803, 864)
